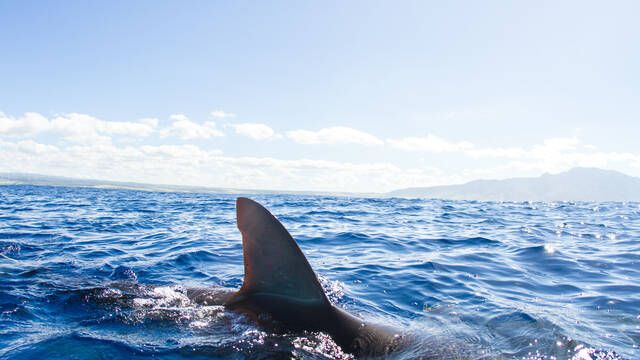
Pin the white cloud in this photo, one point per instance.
(152, 122)
(185, 129)
(177, 151)
(254, 131)
(27, 147)
(75, 127)
(192, 165)
(27, 124)
(553, 146)
(333, 135)
(497, 152)
(550, 148)
(219, 114)
(133, 151)
(434, 144)
(429, 143)
(32, 147)
(82, 128)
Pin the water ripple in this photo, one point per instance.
(464, 279)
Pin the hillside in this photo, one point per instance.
(579, 184)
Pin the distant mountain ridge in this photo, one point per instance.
(577, 184)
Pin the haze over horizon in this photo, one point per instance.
(354, 96)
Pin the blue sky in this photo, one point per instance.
(339, 96)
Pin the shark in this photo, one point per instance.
(281, 292)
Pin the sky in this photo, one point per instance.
(357, 96)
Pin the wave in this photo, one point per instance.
(511, 279)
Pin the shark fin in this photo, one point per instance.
(274, 265)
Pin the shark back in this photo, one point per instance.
(281, 291)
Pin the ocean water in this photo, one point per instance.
(461, 279)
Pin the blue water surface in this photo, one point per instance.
(461, 279)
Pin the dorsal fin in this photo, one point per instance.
(273, 263)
